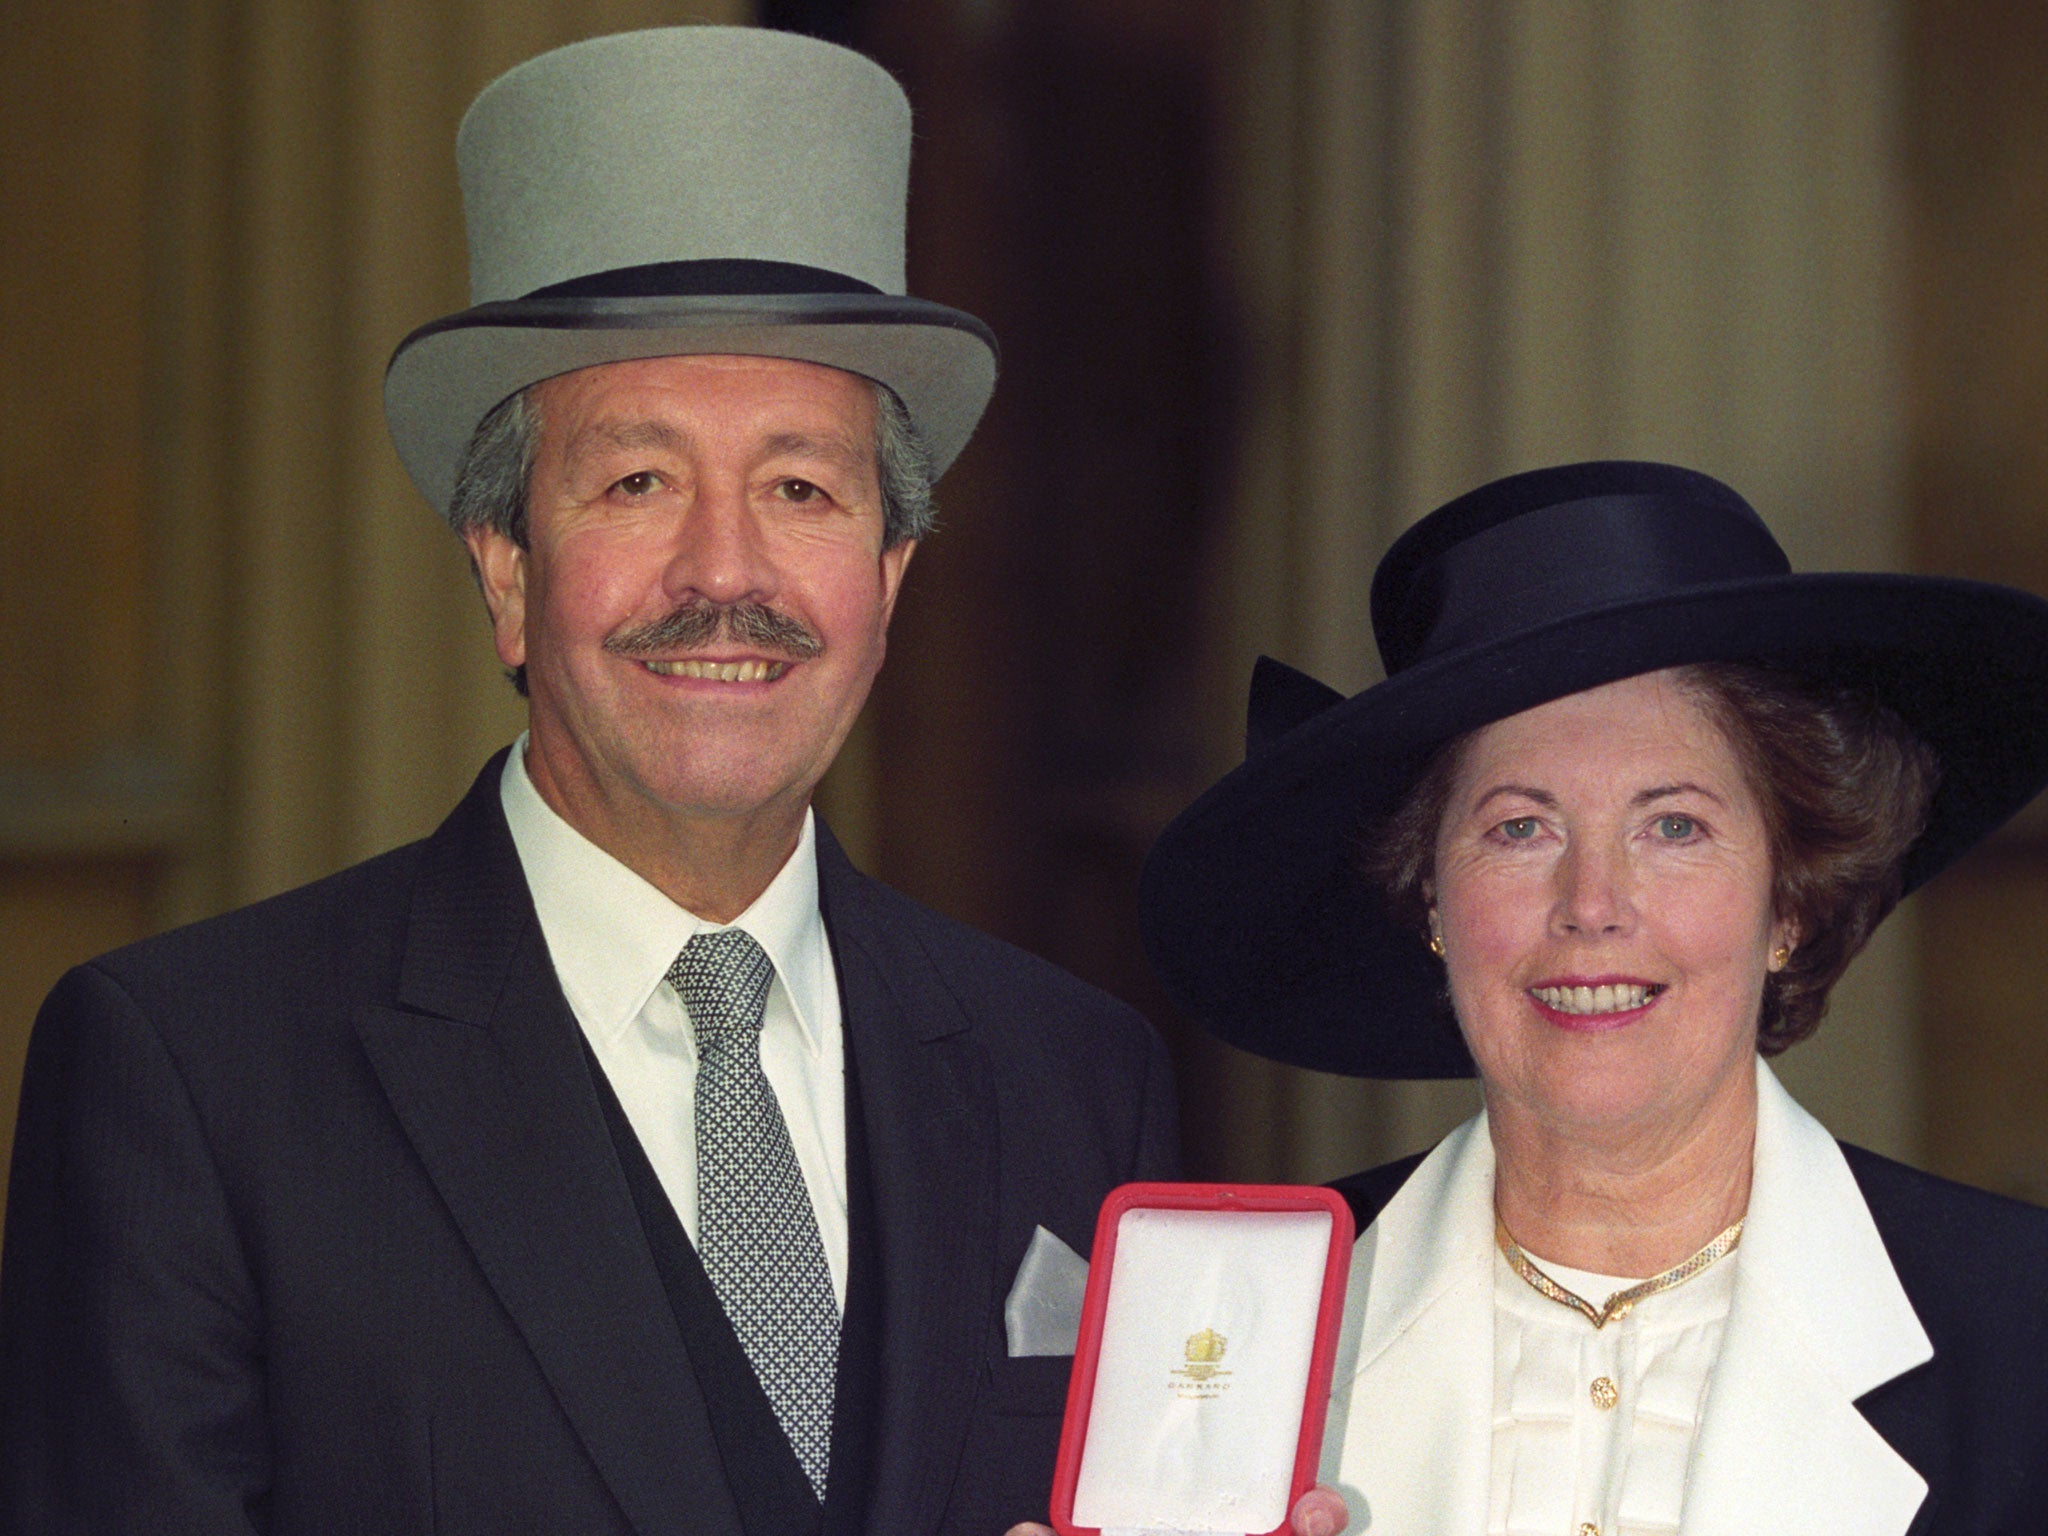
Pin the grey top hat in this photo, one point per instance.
(679, 191)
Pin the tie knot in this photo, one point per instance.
(723, 980)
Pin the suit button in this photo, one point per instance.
(1604, 1397)
(1589, 1529)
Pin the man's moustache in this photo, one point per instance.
(699, 623)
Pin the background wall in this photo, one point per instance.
(1272, 279)
(1975, 158)
(1470, 239)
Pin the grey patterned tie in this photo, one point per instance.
(756, 1231)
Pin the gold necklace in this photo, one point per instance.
(1617, 1305)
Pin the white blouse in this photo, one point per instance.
(1593, 1428)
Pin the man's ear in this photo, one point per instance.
(895, 561)
(500, 567)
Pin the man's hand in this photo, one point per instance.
(1319, 1512)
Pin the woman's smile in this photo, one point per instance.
(1594, 1002)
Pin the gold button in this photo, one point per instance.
(1589, 1529)
(1604, 1396)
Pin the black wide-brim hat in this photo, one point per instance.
(679, 191)
(1254, 912)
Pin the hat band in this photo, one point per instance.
(725, 277)
(1536, 569)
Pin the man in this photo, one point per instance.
(617, 1159)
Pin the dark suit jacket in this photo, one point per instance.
(1973, 1420)
(316, 1224)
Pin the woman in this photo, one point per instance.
(1631, 799)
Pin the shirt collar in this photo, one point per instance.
(612, 935)
(1809, 1243)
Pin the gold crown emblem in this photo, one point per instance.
(1201, 1376)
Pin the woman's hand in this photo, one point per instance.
(1319, 1512)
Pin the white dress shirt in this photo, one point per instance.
(613, 936)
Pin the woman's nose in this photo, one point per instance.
(1593, 895)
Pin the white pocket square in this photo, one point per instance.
(1043, 1313)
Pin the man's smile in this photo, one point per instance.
(720, 671)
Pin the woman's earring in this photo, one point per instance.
(1781, 957)
(1436, 937)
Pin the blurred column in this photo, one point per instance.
(1468, 239)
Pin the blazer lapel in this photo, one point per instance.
(1410, 1443)
(1818, 1319)
(929, 1113)
(481, 1063)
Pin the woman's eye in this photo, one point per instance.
(1520, 830)
(1676, 829)
(643, 482)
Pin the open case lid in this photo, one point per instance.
(1202, 1374)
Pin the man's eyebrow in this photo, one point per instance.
(832, 446)
(660, 435)
(623, 434)
(1542, 797)
(1666, 791)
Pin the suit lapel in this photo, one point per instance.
(929, 1115)
(1914, 1412)
(481, 1063)
(1818, 1319)
(1410, 1443)
(1782, 1444)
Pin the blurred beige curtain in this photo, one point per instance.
(1467, 239)
(240, 652)
(325, 660)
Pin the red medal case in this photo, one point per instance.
(1202, 1375)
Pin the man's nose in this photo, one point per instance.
(717, 552)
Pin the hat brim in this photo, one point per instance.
(446, 377)
(1258, 923)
